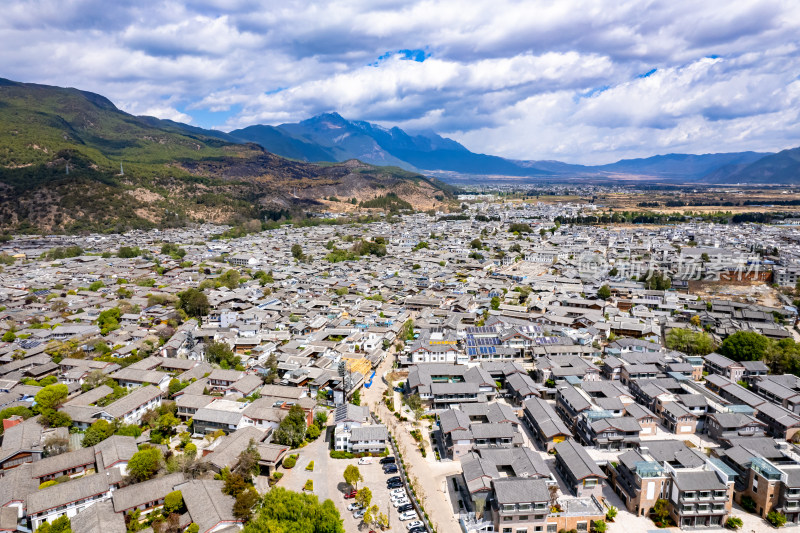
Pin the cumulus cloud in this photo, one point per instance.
(528, 80)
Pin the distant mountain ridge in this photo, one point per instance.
(331, 137)
(782, 168)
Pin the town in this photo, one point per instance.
(514, 366)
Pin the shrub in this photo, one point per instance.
(748, 504)
(290, 461)
(309, 486)
(776, 519)
(310, 466)
(336, 454)
(733, 522)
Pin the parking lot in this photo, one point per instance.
(328, 478)
(375, 480)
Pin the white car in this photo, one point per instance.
(411, 515)
(401, 501)
(415, 523)
(361, 513)
(398, 495)
(365, 461)
(354, 507)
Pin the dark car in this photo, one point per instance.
(394, 485)
(417, 530)
(399, 389)
(395, 478)
(404, 508)
(387, 460)
(389, 467)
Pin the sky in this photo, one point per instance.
(581, 81)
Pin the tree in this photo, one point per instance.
(734, 522)
(9, 336)
(194, 302)
(495, 303)
(356, 398)
(220, 353)
(59, 525)
(476, 244)
(144, 464)
(55, 419)
(55, 445)
(604, 292)
(286, 511)
(321, 419)
(297, 252)
(415, 404)
(744, 346)
(370, 515)
(108, 320)
(777, 519)
(364, 497)
(173, 502)
(247, 465)
(97, 433)
(51, 397)
(553, 494)
(234, 484)
(599, 526)
(243, 506)
(352, 475)
(695, 321)
(292, 429)
(690, 342)
(661, 510)
(611, 514)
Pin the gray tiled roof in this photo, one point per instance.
(698, 480)
(575, 458)
(144, 492)
(206, 503)
(63, 493)
(99, 517)
(521, 490)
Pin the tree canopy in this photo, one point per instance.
(51, 397)
(194, 302)
(284, 511)
(690, 342)
(745, 346)
(145, 464)
(292, 429)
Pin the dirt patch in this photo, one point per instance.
(758, 293)
(145, 196)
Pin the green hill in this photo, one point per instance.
(62, 151)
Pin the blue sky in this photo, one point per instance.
(583, 81)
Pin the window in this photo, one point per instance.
(523, 517)
(509, 507)
(508, 518)
(506, 530)
(689, 495)
(581, 526)
(552, 528)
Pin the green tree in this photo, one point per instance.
(144, 464)
(414, 402)
(734, 522)
(604, 292)
(690, 342)
(776, 518)
(284, 511)
(9, 336)
(495, 303)
(292, 429)
(364, 497)
(234, 484)
(744, 346)
(108, 320)
(55, 419)
(352, 476)
(476, 244)
(59, 525)
(173, 502)
(661, 510)
(51, 397)
(247, 463)
(243, 506)
(97, 433)
(356, 398)
(128, 252)
(194, 302)
(297, 252)
(220, 353)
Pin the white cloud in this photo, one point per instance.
(535, 79)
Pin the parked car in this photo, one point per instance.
(394, 485)
(354, 507)
(399, 389)
(400, 503)
(360, 513)
(418, 530)
(351, 494)
(397, 492)
(399, 496)
(395, 478)
(410, 515)
(405, 508)
(390, 469)
(387, 460)
(415, 523)
(365, 461)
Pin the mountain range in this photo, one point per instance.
(330, 137)
(71, 161)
